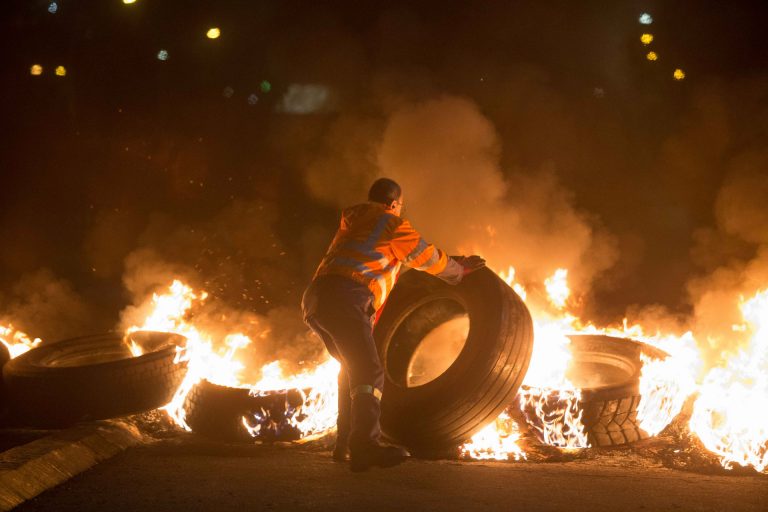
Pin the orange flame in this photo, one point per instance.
(730, 416)
(218, 363)
(17, 342)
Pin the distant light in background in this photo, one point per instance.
(646, 38)
(53, 7)
(679, 74)
(61, 71)
(646, 19)
(36, 70)
(162, 55)
(128, 2)
(213, 33)
(228, 92)
(253, 99)
(305, 99)
(652, 56)
(265, 86)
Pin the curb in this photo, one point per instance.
(30, 469)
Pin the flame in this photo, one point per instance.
(551, 403)
(218, 363)
(730, 415)
(557, 288)
(320, 390)
(497, 441)
(17, 342)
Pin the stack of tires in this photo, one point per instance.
(94, 377)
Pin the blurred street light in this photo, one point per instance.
(162, 55)
(646, 38)
(36, 70)
(128, 2)
(213, 33)
(61, 71)
(646, 19)
(652, 56)
(53, 7)
(679, 74)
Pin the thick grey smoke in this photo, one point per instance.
(45, 306)
(238, 260)
(736, 253)
(446, 155)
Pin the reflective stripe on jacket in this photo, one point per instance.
(372, 244)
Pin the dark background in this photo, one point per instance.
(130, 163)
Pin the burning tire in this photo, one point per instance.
(607, 370)
(217, 412)
(454, 357)
(92, 377)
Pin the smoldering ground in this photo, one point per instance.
(537, 136)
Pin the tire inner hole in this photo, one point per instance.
(427, 342)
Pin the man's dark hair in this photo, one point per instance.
(384, 190)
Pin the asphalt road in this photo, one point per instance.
(185, 473)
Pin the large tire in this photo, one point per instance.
(93, 377)
(446, 411)
(607, 370)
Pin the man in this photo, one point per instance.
(350, 286)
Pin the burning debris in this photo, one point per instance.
(564, 401)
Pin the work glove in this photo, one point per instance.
(470, 263)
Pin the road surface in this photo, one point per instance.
(190, 474)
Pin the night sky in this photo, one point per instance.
(228, 161)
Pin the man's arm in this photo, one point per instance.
(415, 252)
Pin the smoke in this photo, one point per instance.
(446, 155)
(735, 251)
(237, 258)
(45, 306)
(341, 172)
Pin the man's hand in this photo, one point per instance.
(470, 263)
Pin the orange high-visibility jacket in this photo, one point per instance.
(372, 244)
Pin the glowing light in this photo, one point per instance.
(128, 2)
(497, 441)
(557, 288)
(213, 33)
(215, 359)
(645, 19)
(16, 341)
(652, 56)
(253, 99)
(36, 70)
(305, 99)
(730, 415)
(265, 86)
(61, 71)
(646, 38)
(228, 92)
(679, 74)
(162, 55)
(53, 7)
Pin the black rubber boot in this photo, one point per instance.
(366, 450)
(380, 455)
